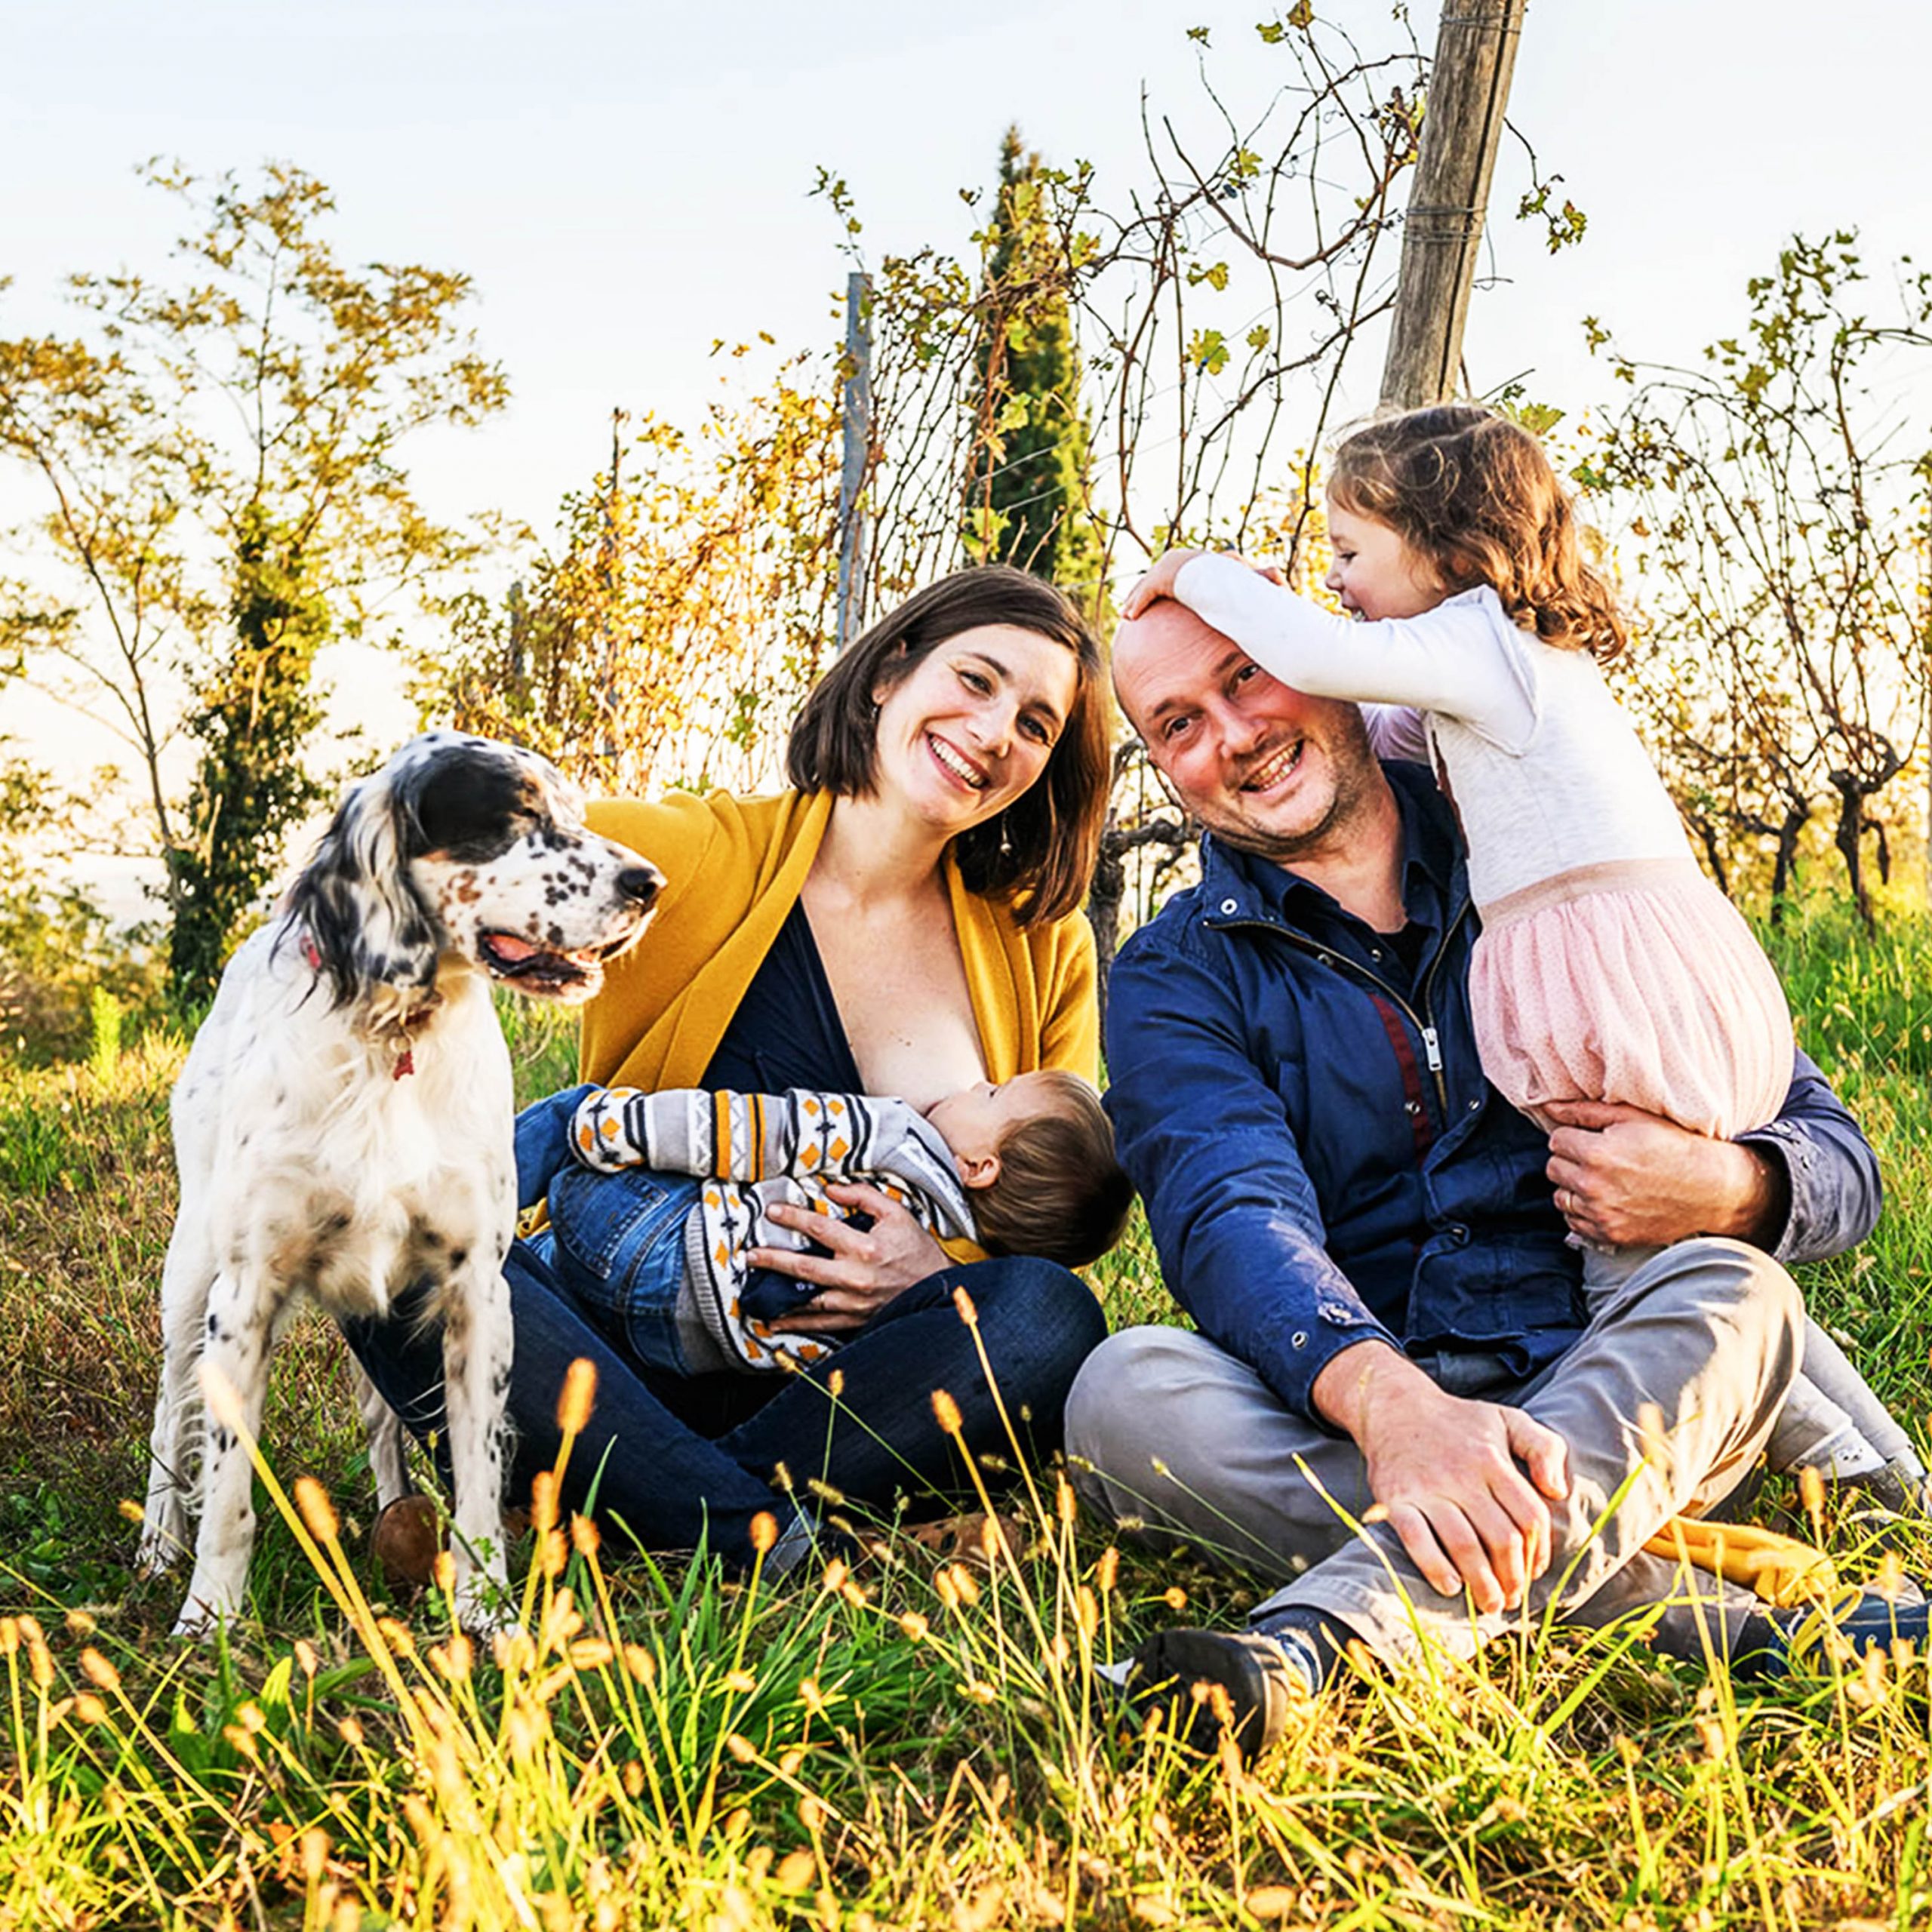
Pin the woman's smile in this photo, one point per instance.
(973, 724)
(955, 762)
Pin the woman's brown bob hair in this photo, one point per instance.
(1473, 493)
(1039, 853)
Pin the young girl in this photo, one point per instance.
(1609, 968)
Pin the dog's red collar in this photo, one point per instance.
(311, 956)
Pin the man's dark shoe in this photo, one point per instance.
(1812, 1644)
(1204, 1681)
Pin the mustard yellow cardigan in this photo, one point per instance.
(733, 869)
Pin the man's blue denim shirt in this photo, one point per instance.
(1322, 1159)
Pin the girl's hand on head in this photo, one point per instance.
(1157, 582)
(867, 1268)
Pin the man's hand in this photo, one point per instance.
(1448, 1475)
(866, 1267)
(1625, 1179)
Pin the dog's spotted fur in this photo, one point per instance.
(342, 1128)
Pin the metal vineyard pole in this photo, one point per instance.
(856, 411)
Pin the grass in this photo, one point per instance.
(921, 1744)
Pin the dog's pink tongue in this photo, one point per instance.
(513, 949)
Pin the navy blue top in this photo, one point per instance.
(786, 1031)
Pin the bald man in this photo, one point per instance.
(1391, 1330)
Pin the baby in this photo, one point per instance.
(1025, 1168)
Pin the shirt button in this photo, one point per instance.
(1230, 905)
(1474, 1105)
(1459, 1234)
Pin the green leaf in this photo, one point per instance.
(1207, 350)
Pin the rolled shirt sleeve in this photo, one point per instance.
(1830, 1166)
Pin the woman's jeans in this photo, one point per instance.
(670, 1459)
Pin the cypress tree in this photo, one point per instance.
(254, 721)
(1026, 486)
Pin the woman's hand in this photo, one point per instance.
(865, 1268)
(1626, 1178)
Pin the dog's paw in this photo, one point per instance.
(157, 1553)
(484, 1605)
(198, 1621)
(214, 1599)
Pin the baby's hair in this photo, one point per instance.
(1473, 494)
(1059, 1191)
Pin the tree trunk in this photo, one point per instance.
(1103, 902)
(1848, 839)
(1707, 837)
(1109, 890)
(1468, 92)
(1784, 869)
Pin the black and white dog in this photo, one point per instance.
(343, 1127)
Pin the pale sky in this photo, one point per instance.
(626, 183)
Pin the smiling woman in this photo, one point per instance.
(905, 921)
(1008, 641)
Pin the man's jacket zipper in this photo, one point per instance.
(1431, 1042)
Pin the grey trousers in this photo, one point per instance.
(1666, 1402)
(1831, 1421)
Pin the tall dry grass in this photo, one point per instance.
(922, 1742)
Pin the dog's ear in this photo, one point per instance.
(370, 927)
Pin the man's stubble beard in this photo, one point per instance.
(1358, 780)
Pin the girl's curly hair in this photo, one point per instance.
(1474, 494)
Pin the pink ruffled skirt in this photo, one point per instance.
(1635, 982)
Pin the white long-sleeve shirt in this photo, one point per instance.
(1544, 765)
